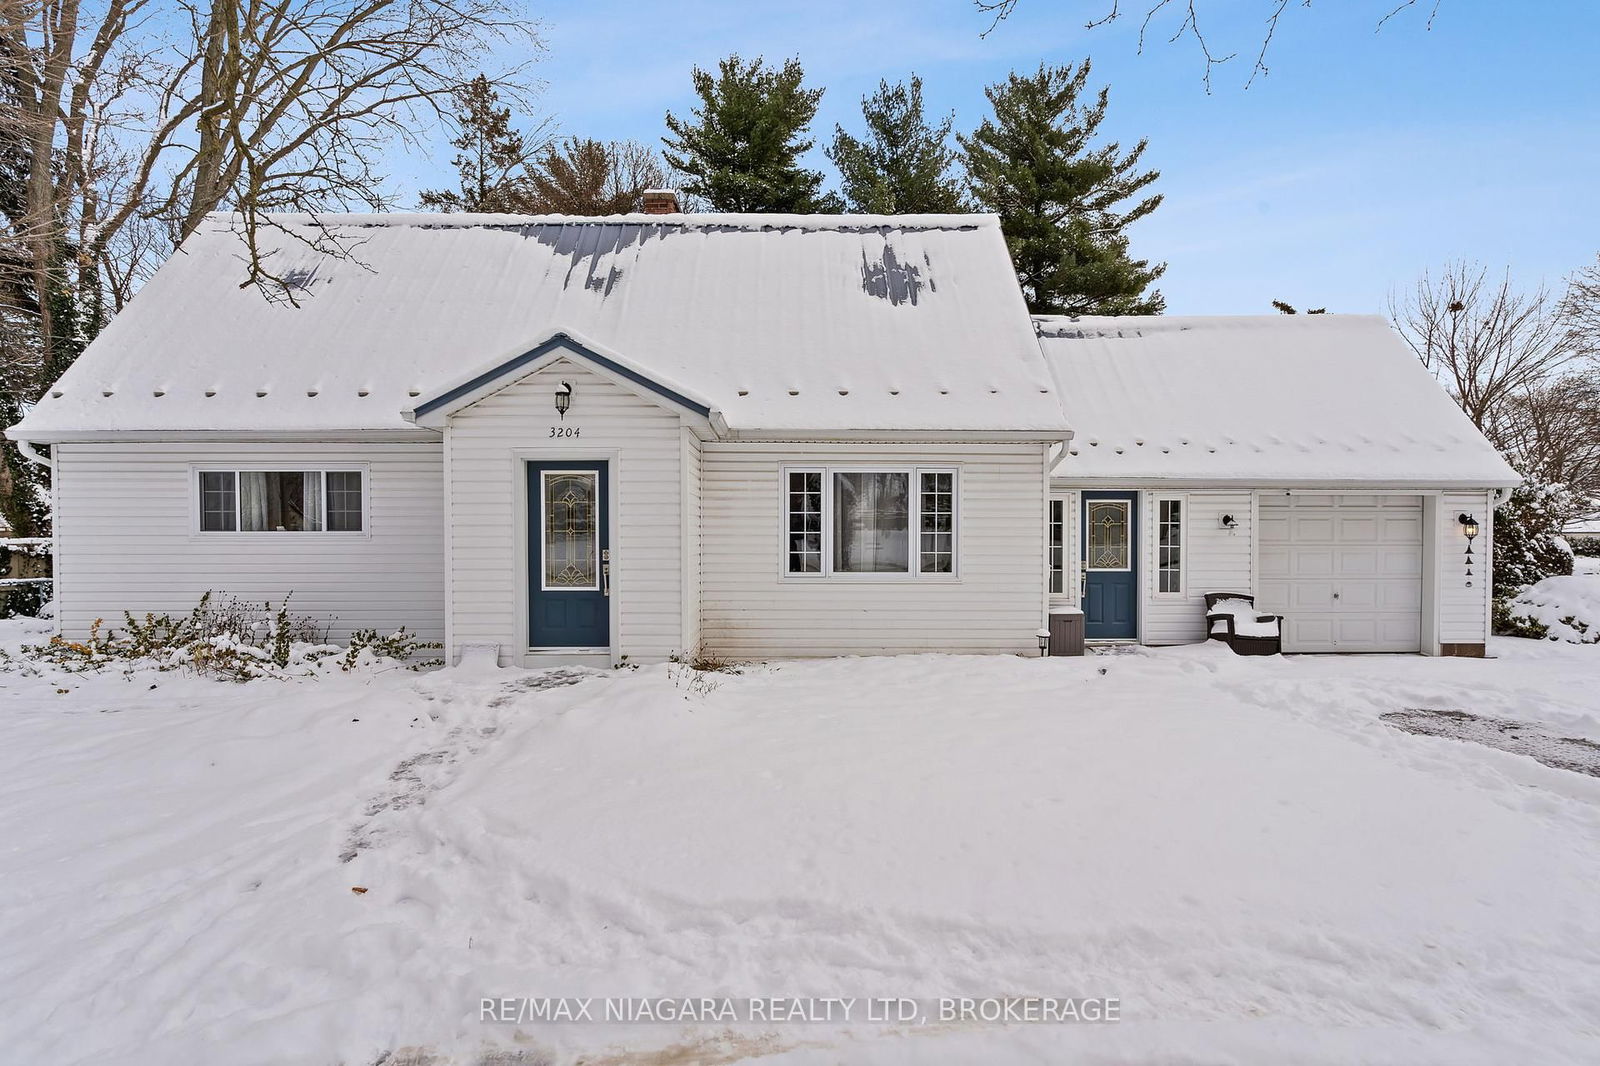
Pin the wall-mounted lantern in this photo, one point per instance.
(1469, 529)
(1229, 522)
(563, 399)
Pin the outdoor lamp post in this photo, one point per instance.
(1044, 642)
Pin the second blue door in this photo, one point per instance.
(1110, 573)
(569, 555)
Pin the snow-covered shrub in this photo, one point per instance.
(1585, 546)
(227, 638)
(1527, 537)
(1508, 623)
(1564, 608)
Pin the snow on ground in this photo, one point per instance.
(1238, 848)
(1570, 606)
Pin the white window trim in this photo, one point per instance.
(1184, 517)
(915, 472)
(544, 519)
(285, 465)
(1132, 532)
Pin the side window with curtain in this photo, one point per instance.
(281, 501)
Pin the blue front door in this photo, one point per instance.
(569, 555)
(1110, 584)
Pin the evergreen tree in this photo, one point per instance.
(492, 157)
(1060, 198)
(1284, 308)
(740, 149)
(588, 177)
(904, 165)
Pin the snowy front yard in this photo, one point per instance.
(1240, 850)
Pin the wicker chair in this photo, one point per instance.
(1241, 645)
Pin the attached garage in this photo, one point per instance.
(1345, 571)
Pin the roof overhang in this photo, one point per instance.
(433, 411)
(1414, 485)
(910, 436)
(286, 436)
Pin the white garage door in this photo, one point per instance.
(1344, 571)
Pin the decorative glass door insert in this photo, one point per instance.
(1108, 535)
(571, 547)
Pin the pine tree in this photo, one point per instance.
(740, 149)
(492, 157)
(589, 177)
(904, 165)
(1059, 198)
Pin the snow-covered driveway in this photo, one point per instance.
(1240, 850)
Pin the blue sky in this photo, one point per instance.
(1362, 158)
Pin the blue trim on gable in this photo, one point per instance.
(560, 340)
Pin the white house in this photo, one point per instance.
(756, 435)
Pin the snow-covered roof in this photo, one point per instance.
(783, 323)
(1264, 399)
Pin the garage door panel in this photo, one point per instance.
(1344, 570)
(1407, 529)
(1312, 529)
(1352, 530)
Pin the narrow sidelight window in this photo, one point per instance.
(1058, 547)
(938, 522)
(805, 522)
(1169, 544)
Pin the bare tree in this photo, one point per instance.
(1177, 19)
(1485, 340)
(1580, 308)
(1552, 432)
(262, 105)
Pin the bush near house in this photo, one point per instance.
(226, 638)
(1585, 546)
(1528, 546)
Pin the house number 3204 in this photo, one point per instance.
(564, 431)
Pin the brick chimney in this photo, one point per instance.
(661, 202)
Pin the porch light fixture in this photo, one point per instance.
(563, 399)
(1469, 529)
(1044, 642)
(1229, 522)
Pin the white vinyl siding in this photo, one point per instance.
(489, 444)
(128, 535)
(692, 561)
(752, 609)
(1464, 609)
(1214, 560)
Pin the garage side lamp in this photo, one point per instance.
(563, 399)
(1469, 529)
(1229, 522)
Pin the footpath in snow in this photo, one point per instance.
(1241, 852)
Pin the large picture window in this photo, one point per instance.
(281, 501)
(870, 521)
